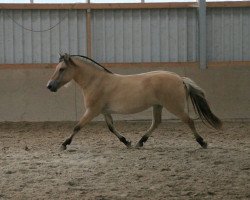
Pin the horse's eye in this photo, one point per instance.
(61, 69)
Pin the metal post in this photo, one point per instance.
(88, 29)
(202, 34)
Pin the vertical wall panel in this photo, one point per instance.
(81, 34)
(164, 43)
(173, 35)
(155, 35)
(45, 36)
(146, 45)
(227, 28)
(192, 35)
(72, 24)
(98, 35)
(8, 37)
(27, 37)
(18, 45)
(127, 36)
(228, 34)
(109, 36)
(36, 37)
(64, 31)
(17, 40)
(217, 34)
(147, 35)
(137, 43)
(209, 39)
(182, 35)
(118, 36)
(246, 33)
(237, 34)
(2, 54)
(54, 36)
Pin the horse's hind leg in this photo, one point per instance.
(110, 123)
(157, 111)
(186, 119)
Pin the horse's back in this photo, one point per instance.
(153, 77)
(157, 80)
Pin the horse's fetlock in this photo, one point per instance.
(123, 140)
(67, 142)
(143, 139)
(77, 128)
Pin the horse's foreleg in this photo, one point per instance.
(87, 117)
(157, 111)
(110, 123)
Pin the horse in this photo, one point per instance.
(107, 93)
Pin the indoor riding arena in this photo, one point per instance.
(208, 42)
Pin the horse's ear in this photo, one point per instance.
(61, 57)
(67, 59)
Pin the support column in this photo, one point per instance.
(88, 29)
(202, 34)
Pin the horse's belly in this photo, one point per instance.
(126, 110)
(130, 105)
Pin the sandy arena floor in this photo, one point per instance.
(97, 166)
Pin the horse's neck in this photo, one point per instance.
(88, 76)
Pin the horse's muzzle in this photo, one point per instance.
(52, 85)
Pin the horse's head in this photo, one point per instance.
(65, 72)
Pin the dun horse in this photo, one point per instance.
(107, 93)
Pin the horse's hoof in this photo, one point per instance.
(63, 147)
(129, 144)
(139, 145)
(204, 145)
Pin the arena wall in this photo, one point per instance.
(24, 96)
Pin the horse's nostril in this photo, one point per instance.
(49, 86)
(52, 86)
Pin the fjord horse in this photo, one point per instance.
(107, 93)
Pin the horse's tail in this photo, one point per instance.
(200, 104)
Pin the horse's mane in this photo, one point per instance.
(94, 62)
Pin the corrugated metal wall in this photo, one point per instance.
(18, 45)
(228, 35)
(151, 35)
(165, 35)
